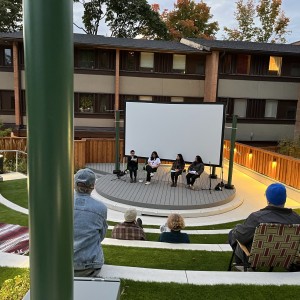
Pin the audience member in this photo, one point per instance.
(153, 164)
(132, 165)
(176, 169)
(274, 212)
(194, 172)
(175, 223)
(130, 229)
(89, 226)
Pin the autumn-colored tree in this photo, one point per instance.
(190, 19)
(271, 20)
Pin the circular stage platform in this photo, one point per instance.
(159, 195)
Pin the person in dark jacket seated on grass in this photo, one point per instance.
(175, 224)
(274, 212)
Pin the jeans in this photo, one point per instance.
(149, 170)
(191, 178)
(87, 273)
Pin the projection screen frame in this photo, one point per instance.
(219, 164)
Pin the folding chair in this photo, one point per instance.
(274, 245)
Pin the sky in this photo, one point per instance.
(222, 11)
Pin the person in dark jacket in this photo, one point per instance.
(175, 223)
(274, 212)
(194, 172)
(132, 165)
(176, 170)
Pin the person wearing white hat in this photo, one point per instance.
(130, 229)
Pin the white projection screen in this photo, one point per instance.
(171, 128)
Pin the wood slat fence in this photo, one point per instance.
(271, 164)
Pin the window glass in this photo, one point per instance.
(275, 63)
(147, 60)
(86, 59)
(240, 107)
(177, 99)
(179, 63)
(295, 69)
(7, 57)
(242, 64)
(131, 61)
(103, 60)
(145, 98)
(86, 103)
(271, 108)
(104, 103)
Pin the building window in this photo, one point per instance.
(7, 101)
(287, 109)
(242, 64)
(104, 60)
(240, 107)
(275, 63)
(147, 61)
(179, 63)
(86, 103)
(177, 99)
(103, 103)
(8, 57)
(145, 98)
(271, 108)
(86, 59)
(195, 64)
(295, 69)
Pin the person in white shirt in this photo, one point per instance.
(153, 164)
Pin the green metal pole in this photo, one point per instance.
(117, 162)
(231, 157)
(48, 47)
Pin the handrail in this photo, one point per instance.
(17, 152)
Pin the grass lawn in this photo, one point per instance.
(10, 216)
(133, 290)
(166, 259)
(15, 191)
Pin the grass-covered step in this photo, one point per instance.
(166, 259)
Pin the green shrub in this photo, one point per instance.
(4, 132)
(16, 288)
(290, 147)
(10, 163)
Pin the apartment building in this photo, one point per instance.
(258, 82)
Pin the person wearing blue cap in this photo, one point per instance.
(274, 212)
(89, 226)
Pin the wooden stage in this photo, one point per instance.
(159, 194)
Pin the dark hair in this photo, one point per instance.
(180, 158)
(156, 155)
(132, 151)
(199, 159)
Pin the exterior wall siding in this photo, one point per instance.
(258, 89)
(7, 81)
(261, 132)
(161, 87)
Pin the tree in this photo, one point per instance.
(10, 15)
(268, 13)
(190, 19)
(124, 18)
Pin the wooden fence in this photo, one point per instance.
(271, 164)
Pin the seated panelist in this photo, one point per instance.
(132, 165)
(176, 169)
(153, 164)
(194, 172)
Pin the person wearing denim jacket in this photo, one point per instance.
(89, 226)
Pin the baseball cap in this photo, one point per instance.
(86, 177)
